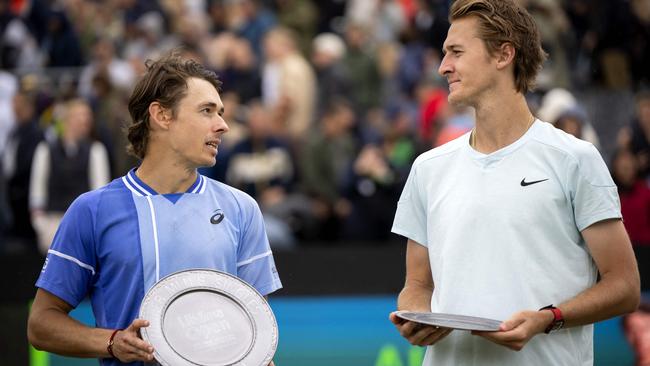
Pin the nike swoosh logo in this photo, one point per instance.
(524, 183)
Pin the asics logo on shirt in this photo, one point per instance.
(524, 183)
(217, 217)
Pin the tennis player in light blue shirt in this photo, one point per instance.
(116, 242)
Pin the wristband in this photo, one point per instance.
(109, 346)
(558, 319)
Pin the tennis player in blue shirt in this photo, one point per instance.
(116, 242)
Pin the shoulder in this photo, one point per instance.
(229, 194)
(441, 153)
(578, 158)
(579, 151)
(92, 199)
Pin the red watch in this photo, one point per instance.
(558, 319)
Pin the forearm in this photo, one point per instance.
(53, 331)
(414, 297)
(610, 297)
(618, 291)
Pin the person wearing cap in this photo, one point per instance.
(516, 220)
(116, 242)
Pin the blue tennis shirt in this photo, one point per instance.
(116, 242)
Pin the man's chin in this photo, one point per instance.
(456, 101)
(208, 163)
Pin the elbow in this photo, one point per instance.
(33, 333)
(635, 301)
(633, 296)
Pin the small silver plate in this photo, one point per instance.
(452, 321)
(208, 318)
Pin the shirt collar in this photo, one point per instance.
(140, 188)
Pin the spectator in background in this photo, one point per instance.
(63, 169)
(572, 121)
(262, 166)
(455, 122)
(219, 14)
(325, 161)
(361, 67)
(148, 38)
(636, 327)
(389, 56)
(120, 73)
(288, 85)
(132, 10)
(332, 80)
(559, 101)
(373, 191)
(17, 160)
(384, 19)
(300, 16)
(5, 212)
(109, 109)
(613, 38)
(61, 42)
(241, 72)
(636, 137)
(8, 88)
(634, 193)
(583, 17)
(257, 20)
(18, 47)
(639, 52)
(555, 30)
(432, 102)
(193, 32)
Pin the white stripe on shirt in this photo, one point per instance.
(135, 184)
(73, 259)
(131, 187)
(155, 238)
(253, 259)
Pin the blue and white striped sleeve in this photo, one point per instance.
(70, 264)
(255, 263)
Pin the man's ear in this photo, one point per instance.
(159, 116)
(505, 55)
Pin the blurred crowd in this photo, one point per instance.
(328, 102)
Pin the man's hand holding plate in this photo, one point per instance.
(128, 346)
(515, 332)
(418, 334)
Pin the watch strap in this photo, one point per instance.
(558, 319)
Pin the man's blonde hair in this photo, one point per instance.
(503, 21)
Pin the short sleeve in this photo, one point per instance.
(410, 217)
(255, 263)
(593, 192)
(70, 264)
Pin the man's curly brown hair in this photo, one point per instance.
(165, 82)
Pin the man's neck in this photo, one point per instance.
(500, 121)
(165, 176)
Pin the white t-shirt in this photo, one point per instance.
(503, 235)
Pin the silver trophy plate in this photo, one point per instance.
(208, 318)
(452, 321)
